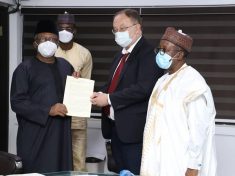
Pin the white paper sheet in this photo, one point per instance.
(77, 96)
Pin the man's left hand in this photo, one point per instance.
(99, 99)
(191, 172)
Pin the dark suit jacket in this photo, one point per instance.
(130, 99)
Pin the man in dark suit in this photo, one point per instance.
(132, 77)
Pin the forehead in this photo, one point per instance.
(64, 25)
(166, 44)
(46, 35)
(121, 20)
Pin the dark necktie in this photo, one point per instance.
(114, 81)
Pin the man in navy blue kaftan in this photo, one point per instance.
(44, 136)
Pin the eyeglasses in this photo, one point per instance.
(65, 28)
(162, 51)
(41, 40)
(122, 29)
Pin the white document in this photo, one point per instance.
(77, 96)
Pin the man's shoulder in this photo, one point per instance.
(193, 76)
(193, 72)
(27, 62)
(144, 41)
(63, 61)
(26, 65)
(64, 65)
(79, 47)
(143, 48)
(147, 44)
(144, 44)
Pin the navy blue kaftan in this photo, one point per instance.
(43, 142)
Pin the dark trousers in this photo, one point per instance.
(126, 155)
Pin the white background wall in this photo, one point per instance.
(225, 135)
(111, 3)
(225, 146)
(15, 57)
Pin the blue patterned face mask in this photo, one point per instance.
(164, 61)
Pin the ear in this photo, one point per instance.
(180, 55)
(139, 27)
(74, 32)
(35, 45)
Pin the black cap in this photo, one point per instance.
(46, 26)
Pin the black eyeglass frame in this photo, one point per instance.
(123, 29)
(162, 51)
(45, 39)
(69, 29)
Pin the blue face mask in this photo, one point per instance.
(164, 61)
(123, 39)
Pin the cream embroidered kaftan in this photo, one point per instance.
(179, 131)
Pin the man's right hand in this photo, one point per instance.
(76, 74)
(58, 109)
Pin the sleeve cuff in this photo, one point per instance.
(109, 100)
(194, 164)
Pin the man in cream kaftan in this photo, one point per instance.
(179, 130)
(81, 60)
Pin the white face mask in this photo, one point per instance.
(123, 38)
(47, 49)
(65, 36)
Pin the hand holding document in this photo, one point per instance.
(77, 96)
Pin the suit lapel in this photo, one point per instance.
(131, 58)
